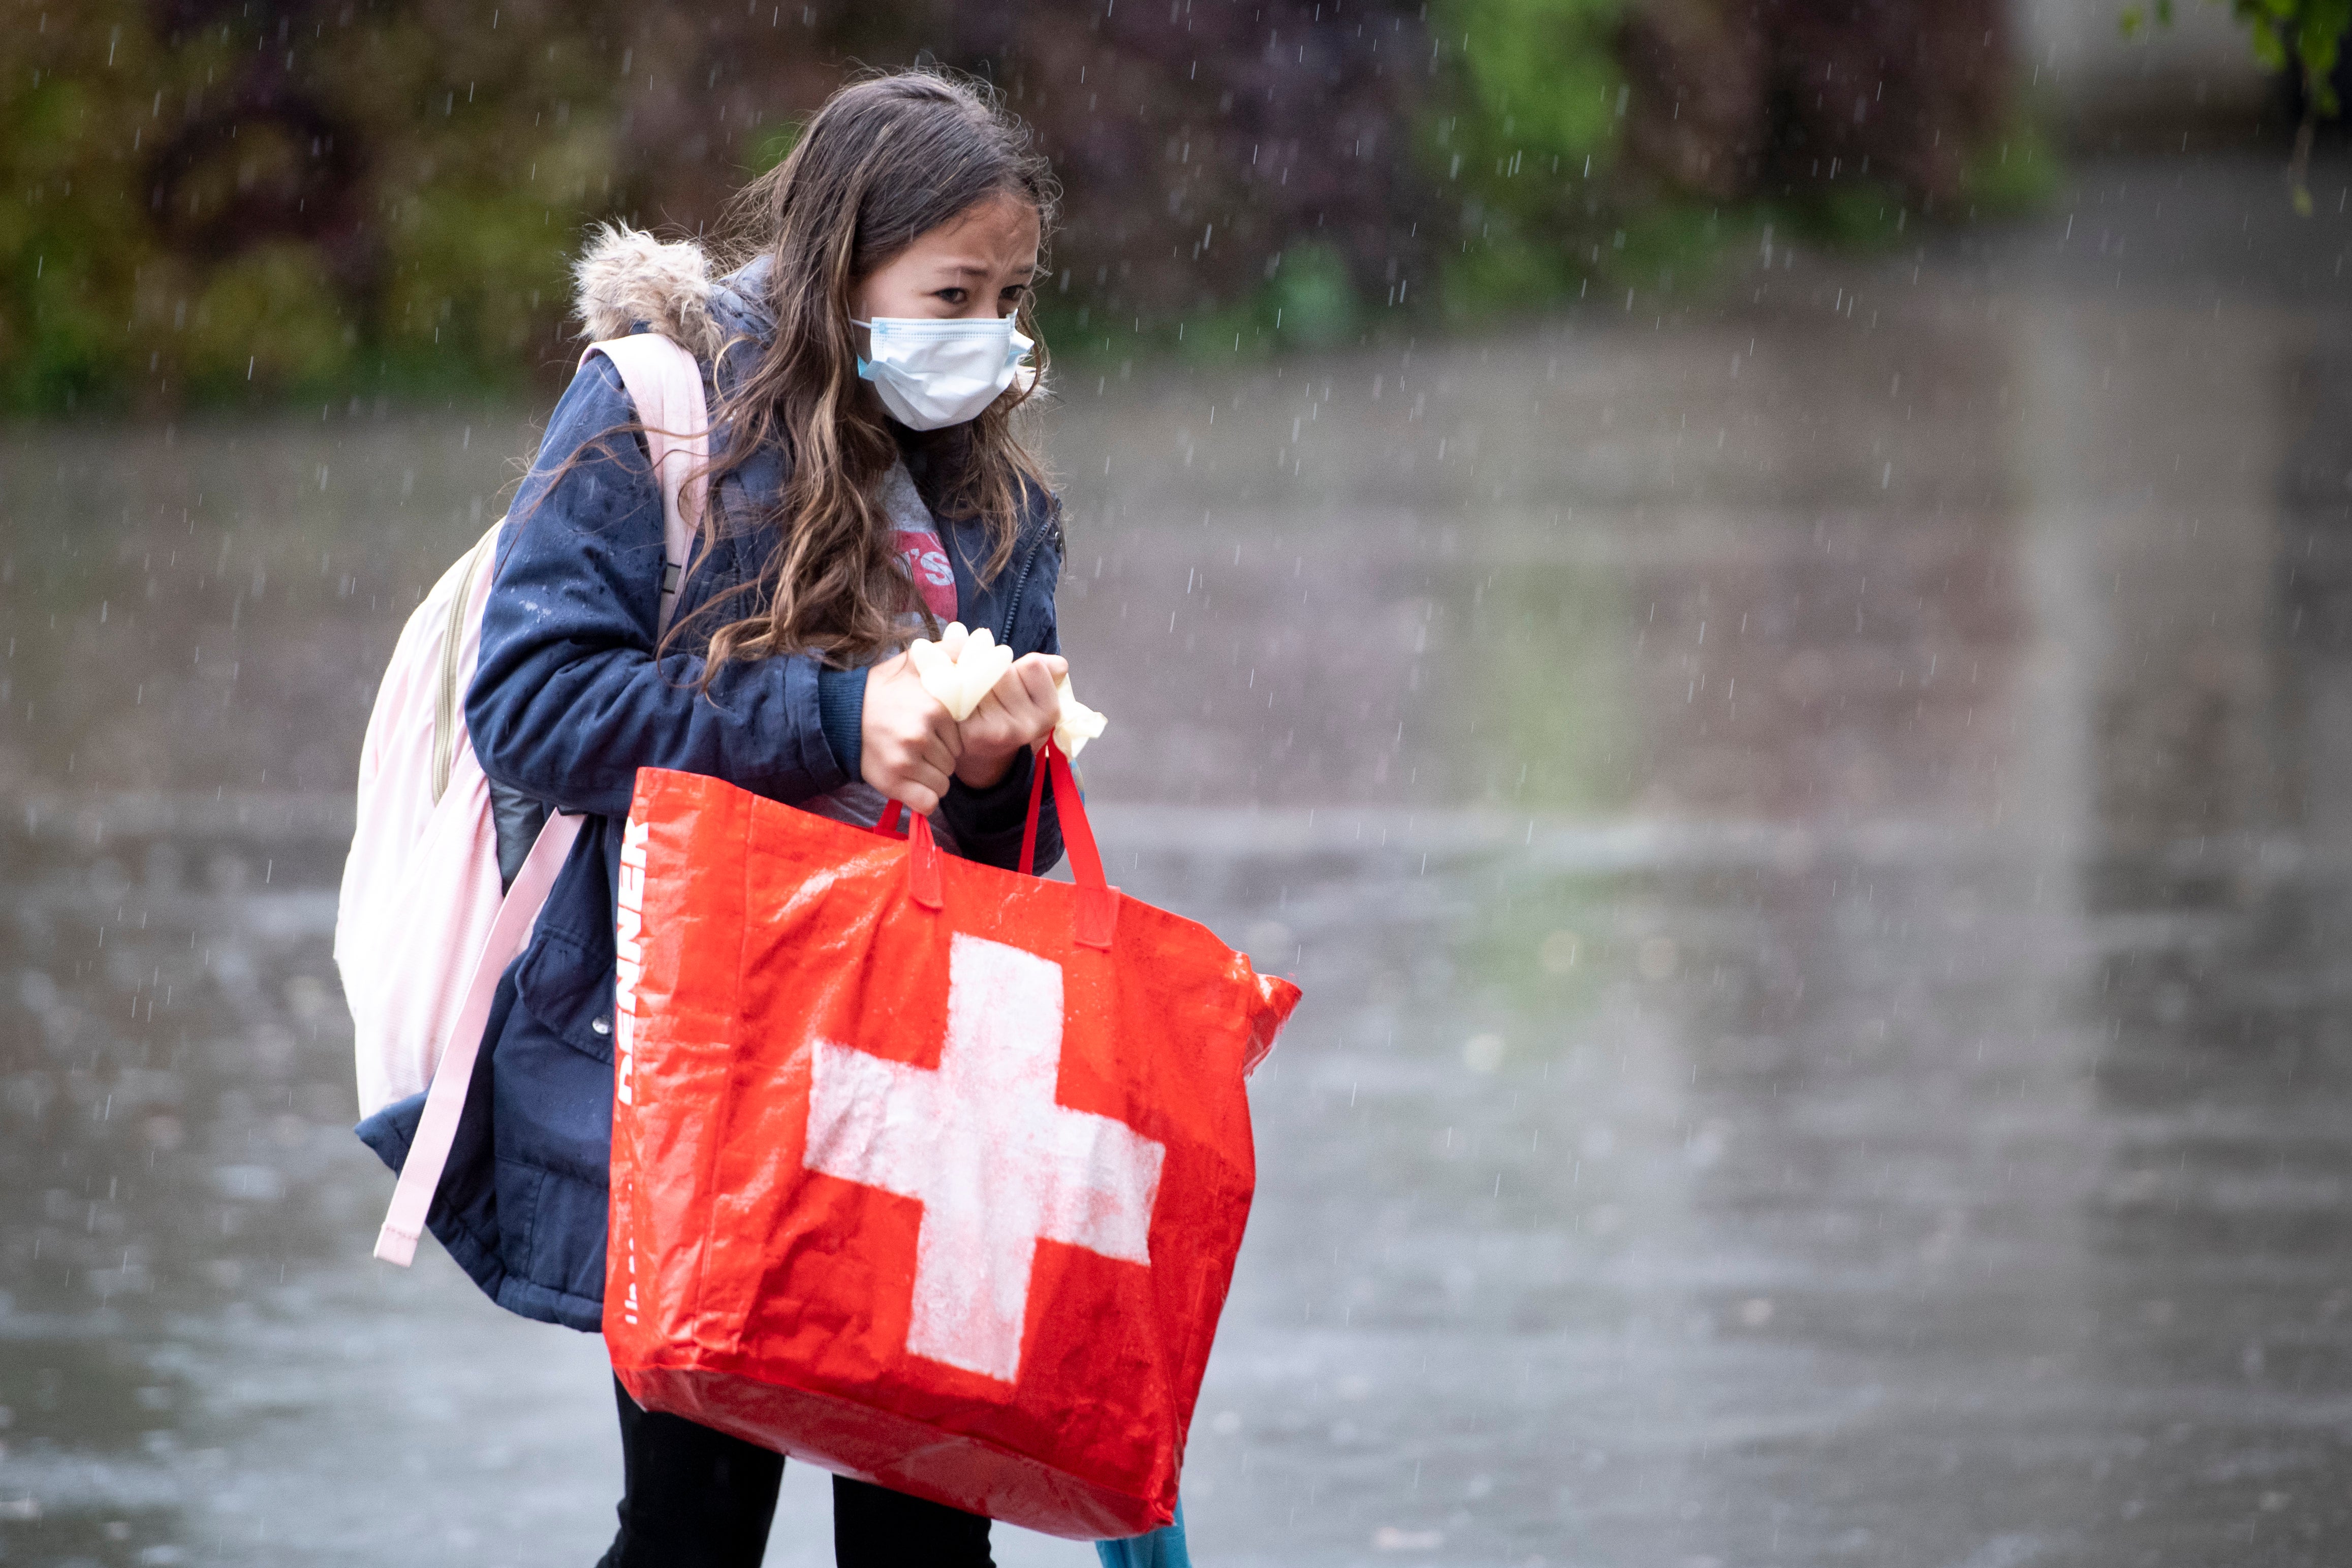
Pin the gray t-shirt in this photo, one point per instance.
(916, 537)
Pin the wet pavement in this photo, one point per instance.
(1817, 831)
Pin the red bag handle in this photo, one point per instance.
(923, 864)
(1036, 800)
(1096, 915)
(922, 853)
(1095, 918)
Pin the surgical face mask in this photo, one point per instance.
(933, 374)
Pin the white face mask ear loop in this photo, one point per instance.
(1031, 376)
(859, 360)
(1026, 378)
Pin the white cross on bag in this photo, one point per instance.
(996, 1163)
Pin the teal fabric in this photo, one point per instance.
(1161, 1548)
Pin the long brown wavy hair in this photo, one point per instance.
(885, 161)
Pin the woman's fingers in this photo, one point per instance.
(916, 774)
(914, 748)
(908, 743)
(938, 751)
(928, 756)
(1038, 672)
(917, 796)
(1023, 706)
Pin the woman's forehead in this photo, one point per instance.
(998, 235)
(969, 266)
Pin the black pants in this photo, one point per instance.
(693, 1498)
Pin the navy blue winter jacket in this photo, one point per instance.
(567, 703)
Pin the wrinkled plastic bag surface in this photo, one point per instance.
(923, 1172)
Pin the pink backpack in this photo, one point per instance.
(422, 931)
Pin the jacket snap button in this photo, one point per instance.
(601, 1025)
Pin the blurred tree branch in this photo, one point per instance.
(2304, 39)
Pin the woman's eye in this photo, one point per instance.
(953, 296)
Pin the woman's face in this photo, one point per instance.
(979, 263)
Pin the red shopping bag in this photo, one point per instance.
(924, 1172)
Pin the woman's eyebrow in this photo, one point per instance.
(979, 269)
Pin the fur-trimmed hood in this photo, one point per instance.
(624, 275)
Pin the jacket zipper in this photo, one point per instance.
(1020, 585)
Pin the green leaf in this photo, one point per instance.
(2320, 44)
(2264, 38)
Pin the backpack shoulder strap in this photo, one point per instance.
(466, 591)
(665, 383)
(445, 1101)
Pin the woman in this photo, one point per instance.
(866, 484)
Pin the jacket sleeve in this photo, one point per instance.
(987, 823)
(568, 700)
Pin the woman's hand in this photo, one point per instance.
(1017, 713)
(908, 745)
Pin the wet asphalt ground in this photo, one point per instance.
(1816, 828)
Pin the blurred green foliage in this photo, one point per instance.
(208, 201)
(375, 205)
(1529, 122)
(2306, 37)
(1607, 145)
(2302, 40)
